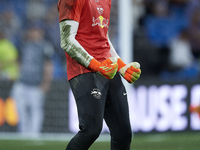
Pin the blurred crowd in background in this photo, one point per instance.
(23, 21)
(166, 36)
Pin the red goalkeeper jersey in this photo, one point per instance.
(93, 17)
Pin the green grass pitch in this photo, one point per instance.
(164, 141)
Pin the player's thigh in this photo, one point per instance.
(18, 93)
(36, 98)
(117, 110)
(90, 92)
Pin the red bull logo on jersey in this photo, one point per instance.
(100, 21)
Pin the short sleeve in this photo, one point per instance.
(70, 9)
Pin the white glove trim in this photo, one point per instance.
(123, 69)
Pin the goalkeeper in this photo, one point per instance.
(93, 69)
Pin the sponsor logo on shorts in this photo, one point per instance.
(96, 93)
(124, 93)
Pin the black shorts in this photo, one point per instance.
(100, 98)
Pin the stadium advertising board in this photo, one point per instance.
(156, 108)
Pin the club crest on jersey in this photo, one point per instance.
(100, 21)
(96, 93)
(100, 9)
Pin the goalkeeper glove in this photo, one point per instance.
(131, 72)
(107, 68)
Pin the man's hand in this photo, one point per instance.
(107, 68)
(131, 72)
